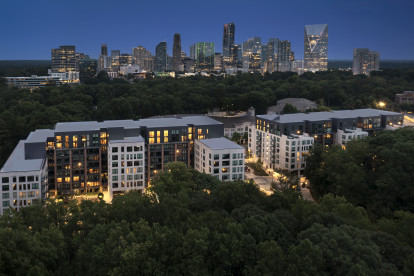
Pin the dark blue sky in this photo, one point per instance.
(31, 28)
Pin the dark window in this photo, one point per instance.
(22, 178)
(115, 149)
(129, 149)
(30, 178)
(5, 180)
(5, 187)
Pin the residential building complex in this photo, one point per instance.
(316, 47)
(283, 141)
(219, 157)
(80, 158)
(365, 61)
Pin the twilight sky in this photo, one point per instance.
(30, 28)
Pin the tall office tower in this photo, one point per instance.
(218, 62)
(192, 51)
(365, 61)
(238, 49)
(177, 63)
(104, 50)
(115, 56)
(125, 59)
(272, 55)
(284, 56)
(252, 55)
(229, 53)
(64, 59)
(264, 57)
(316, 47)
(204, 56)
(149, 64)
(140, 54)
(161, 57)
(169, 62)
(87, 68)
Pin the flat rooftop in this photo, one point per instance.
(220, 143)
(129, 140)
(326, 115)
(18, 163)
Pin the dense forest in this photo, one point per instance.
(22, 111)
(192, 224)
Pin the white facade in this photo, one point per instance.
(129, 69)
(219, 157)
(280, 152)
(22, 181)
(126, 165)
(344, 136)
(70, 76)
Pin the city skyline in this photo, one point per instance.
(354, 24)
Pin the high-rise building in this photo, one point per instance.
(272, 55)
(252, 55)
(229, 53)
(125, 59)
(316, 47)
(218, 62)
(64, 59)
(365, 61)
(140, 54)
(204, 56)
(87, 68)
(192, 51)
(177, 63)
(161, 57)
(284, 56)
(115, 56)
(104, 50)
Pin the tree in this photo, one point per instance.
(289, 109)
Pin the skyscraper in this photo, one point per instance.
(161, 57)
(115, 56)
(218, 62)
(229, 53)
(104, 50)
(64, 59)
(316, 47)
(176, 58)
(365, 61)
(252, 55)
(140, 54)
(271, 64)
(284, 56)
(204, 56)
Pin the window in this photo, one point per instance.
(114, 178)
(225, 156)
(115, 171)
(216, 163)
(216, 156)
(30, 178)
(114, 185)
(22, 178)
(129, 149)
(5, 187)
(216, 170)
(5, 180)
(115, 149)
(114, 157)
(6, 195)
(6, 203)
(35, 186)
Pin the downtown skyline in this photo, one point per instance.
(354, 24)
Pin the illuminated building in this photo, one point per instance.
(115, 56)
(219, 157)
(177, 64)
(229, 51)
(252, 55)
(316, 47)
(80, 158)
(204, 56)
(33, 82)
(365, 61)
(161, 57)
(64, 64)
(283, 141)
(218, 62)
(87, 68)
(140, 54)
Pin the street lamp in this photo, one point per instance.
(381, 104)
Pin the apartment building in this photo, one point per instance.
(283, 141)
(219, 157)
(81, 158)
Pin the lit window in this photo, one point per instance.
(165, 133)
(59, 180)
(151, 134)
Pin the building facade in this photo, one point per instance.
(219, 157)
(177, 64)
(316, 47)
(407, 97)
(365, 61)
(229, 52)
(252, 55)
(204, 56)
(283, 141)
(33, 82)
(161, 57)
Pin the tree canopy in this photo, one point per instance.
(190, 223)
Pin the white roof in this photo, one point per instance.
(220, 143)
(17, 162)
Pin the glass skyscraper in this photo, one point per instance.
(204, 56)
(176, 58)
(161, 57)
(316, 47)
(229, 53)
